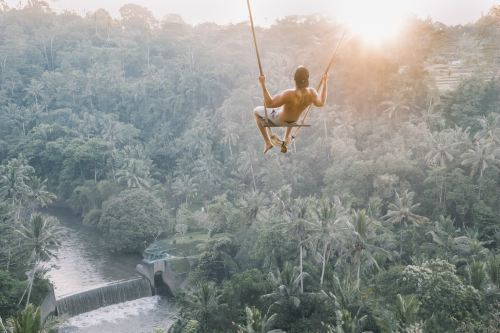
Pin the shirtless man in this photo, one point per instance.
(293, 103)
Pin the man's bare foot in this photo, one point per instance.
(284, 147)
(268, 147)
(276, 140)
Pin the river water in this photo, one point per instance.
(83, 263)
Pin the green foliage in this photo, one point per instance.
(313, 237)
(132, 220)
(445, 299)
(11, 290)
(29, 321)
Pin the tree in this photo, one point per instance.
(332, 225)
(29, 321)
(203, 303)
(480, 158)
(184, 186)
(135, 173)
(132, 220)
(256, 323)
(401, 212)
(41, 238)
(442, 149)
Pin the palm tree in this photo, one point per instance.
(230, 136)
(331, 224)
(297, 225)
(493, 268)
(442, 149)
(29, 321)
(4, 330)
(34, 89)
(363, 247)
(245, 165)
(135, 173)
(41, 238)
(480, 157)
(407, 310)
(394, 107)
(203, 303)
(287, 285)
(39, 195)
(490, 129)
(349, 306)
(184, 186)
(14, 183)
(255, 323)
(401, 212)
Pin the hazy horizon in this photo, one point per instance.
(450, 12)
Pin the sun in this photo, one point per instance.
(375, 21)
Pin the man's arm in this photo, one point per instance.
(272, 102)
(320, 101)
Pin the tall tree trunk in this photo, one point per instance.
(358, 273)
(4, 330)
(301, 268)
(253, 177)
(323, 266)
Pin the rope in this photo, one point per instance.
(327, 70)
(257, 52)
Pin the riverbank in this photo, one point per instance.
(84, 263)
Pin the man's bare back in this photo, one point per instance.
(296, 101)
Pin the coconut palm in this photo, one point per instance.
(256, 323)
(493, 269)
(330, 227)
(230, 136)
(14, 183)
(41, 236)
(39, 195)
(203, 303)
(287, 285)
(407, 308)
(442, 149)
(402, 210)
(29, 321)
(490, 128)
(363, 248)
(34, 90)
(297, 226)
(479, 158)
(394, 107)
(245, 165)
(135, 173)
(184, 186)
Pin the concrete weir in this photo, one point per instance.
(113, 293)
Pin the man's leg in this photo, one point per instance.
(288, 135)
(263, 130)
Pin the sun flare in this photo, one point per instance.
(373, 21)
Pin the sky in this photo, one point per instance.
(450, 12)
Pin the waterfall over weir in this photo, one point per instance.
(116, 292)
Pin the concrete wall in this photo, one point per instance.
(48, 306)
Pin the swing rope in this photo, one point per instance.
(257, 53)
(330, 64)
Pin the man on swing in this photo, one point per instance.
(292, 102)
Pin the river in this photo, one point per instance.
(83, 263)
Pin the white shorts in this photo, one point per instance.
(272, 115)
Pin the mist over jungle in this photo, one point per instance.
(384, 216)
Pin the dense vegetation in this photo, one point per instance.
(384, 217)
